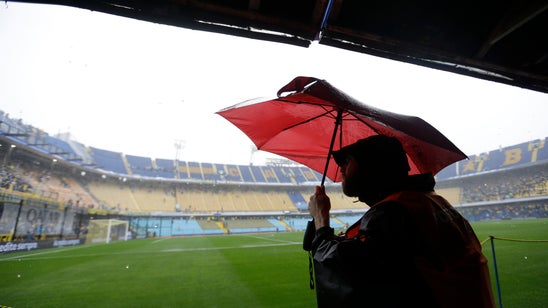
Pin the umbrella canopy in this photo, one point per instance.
(311, 118)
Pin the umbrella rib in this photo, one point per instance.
(350, 113)
(324, 106)
(308, 120)
(305, 103)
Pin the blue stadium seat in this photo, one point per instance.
(247, 175)
(195, 170)
(298, 200)
(209, 172)
(108, 160)
(258, 174)
(185, 226)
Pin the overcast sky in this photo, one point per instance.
(137, 87)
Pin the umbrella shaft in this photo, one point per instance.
(338, 121)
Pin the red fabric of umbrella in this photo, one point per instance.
(311, 118)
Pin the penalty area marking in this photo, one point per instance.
(43, 254)
(48, 251)
(271, 239)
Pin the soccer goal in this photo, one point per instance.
(107, 230)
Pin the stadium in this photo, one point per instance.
(60, 189)
(57, 192)
(87, 226)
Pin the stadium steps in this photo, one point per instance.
(222, 226)
(255, 200)
(126, 165)
(288, 227)
(134, 201)
(339, 221)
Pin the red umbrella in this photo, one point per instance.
(310, 118)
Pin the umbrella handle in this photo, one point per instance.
(338, 122)
(309, 235)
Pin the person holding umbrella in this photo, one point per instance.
(410, 249)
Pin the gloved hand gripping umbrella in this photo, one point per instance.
(310, 117)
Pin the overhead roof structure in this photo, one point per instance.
(504, 41)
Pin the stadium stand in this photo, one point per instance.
(60, 177)
(185, 226)
(245, 225)
(109, 160)
(114, 195)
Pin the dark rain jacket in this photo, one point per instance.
(412, 249)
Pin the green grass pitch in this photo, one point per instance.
(255, 270)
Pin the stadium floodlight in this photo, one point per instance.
(107, 230)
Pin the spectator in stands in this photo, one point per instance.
(29, 236)
(410, 249)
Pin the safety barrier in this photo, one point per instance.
(492, 239)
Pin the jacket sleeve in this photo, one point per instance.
(383, 235)
(328, 248)
(371, 267)
(335, 282)
(324, 243)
